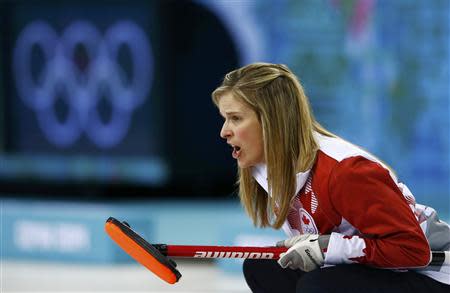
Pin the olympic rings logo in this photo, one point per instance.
(82, 90)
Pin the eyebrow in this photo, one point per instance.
(230, 113)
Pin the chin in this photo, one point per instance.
(244, 165)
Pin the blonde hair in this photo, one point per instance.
(288, 124)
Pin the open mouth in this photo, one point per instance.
(236, 152)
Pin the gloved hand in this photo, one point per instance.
(304, 252)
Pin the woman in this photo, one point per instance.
(338, 204)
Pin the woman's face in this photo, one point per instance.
(242, 131)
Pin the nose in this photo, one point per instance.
(225, 132)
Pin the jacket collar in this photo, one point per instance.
(259, 172)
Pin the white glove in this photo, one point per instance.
(304, 253)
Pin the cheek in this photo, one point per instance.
(251, 137)
(246, 135)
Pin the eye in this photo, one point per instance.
(235, 118)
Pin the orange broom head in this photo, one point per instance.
(142, 251)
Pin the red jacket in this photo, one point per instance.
(354, 197)
(360, 204)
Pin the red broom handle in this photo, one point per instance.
(440, 258)
(225, 251)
